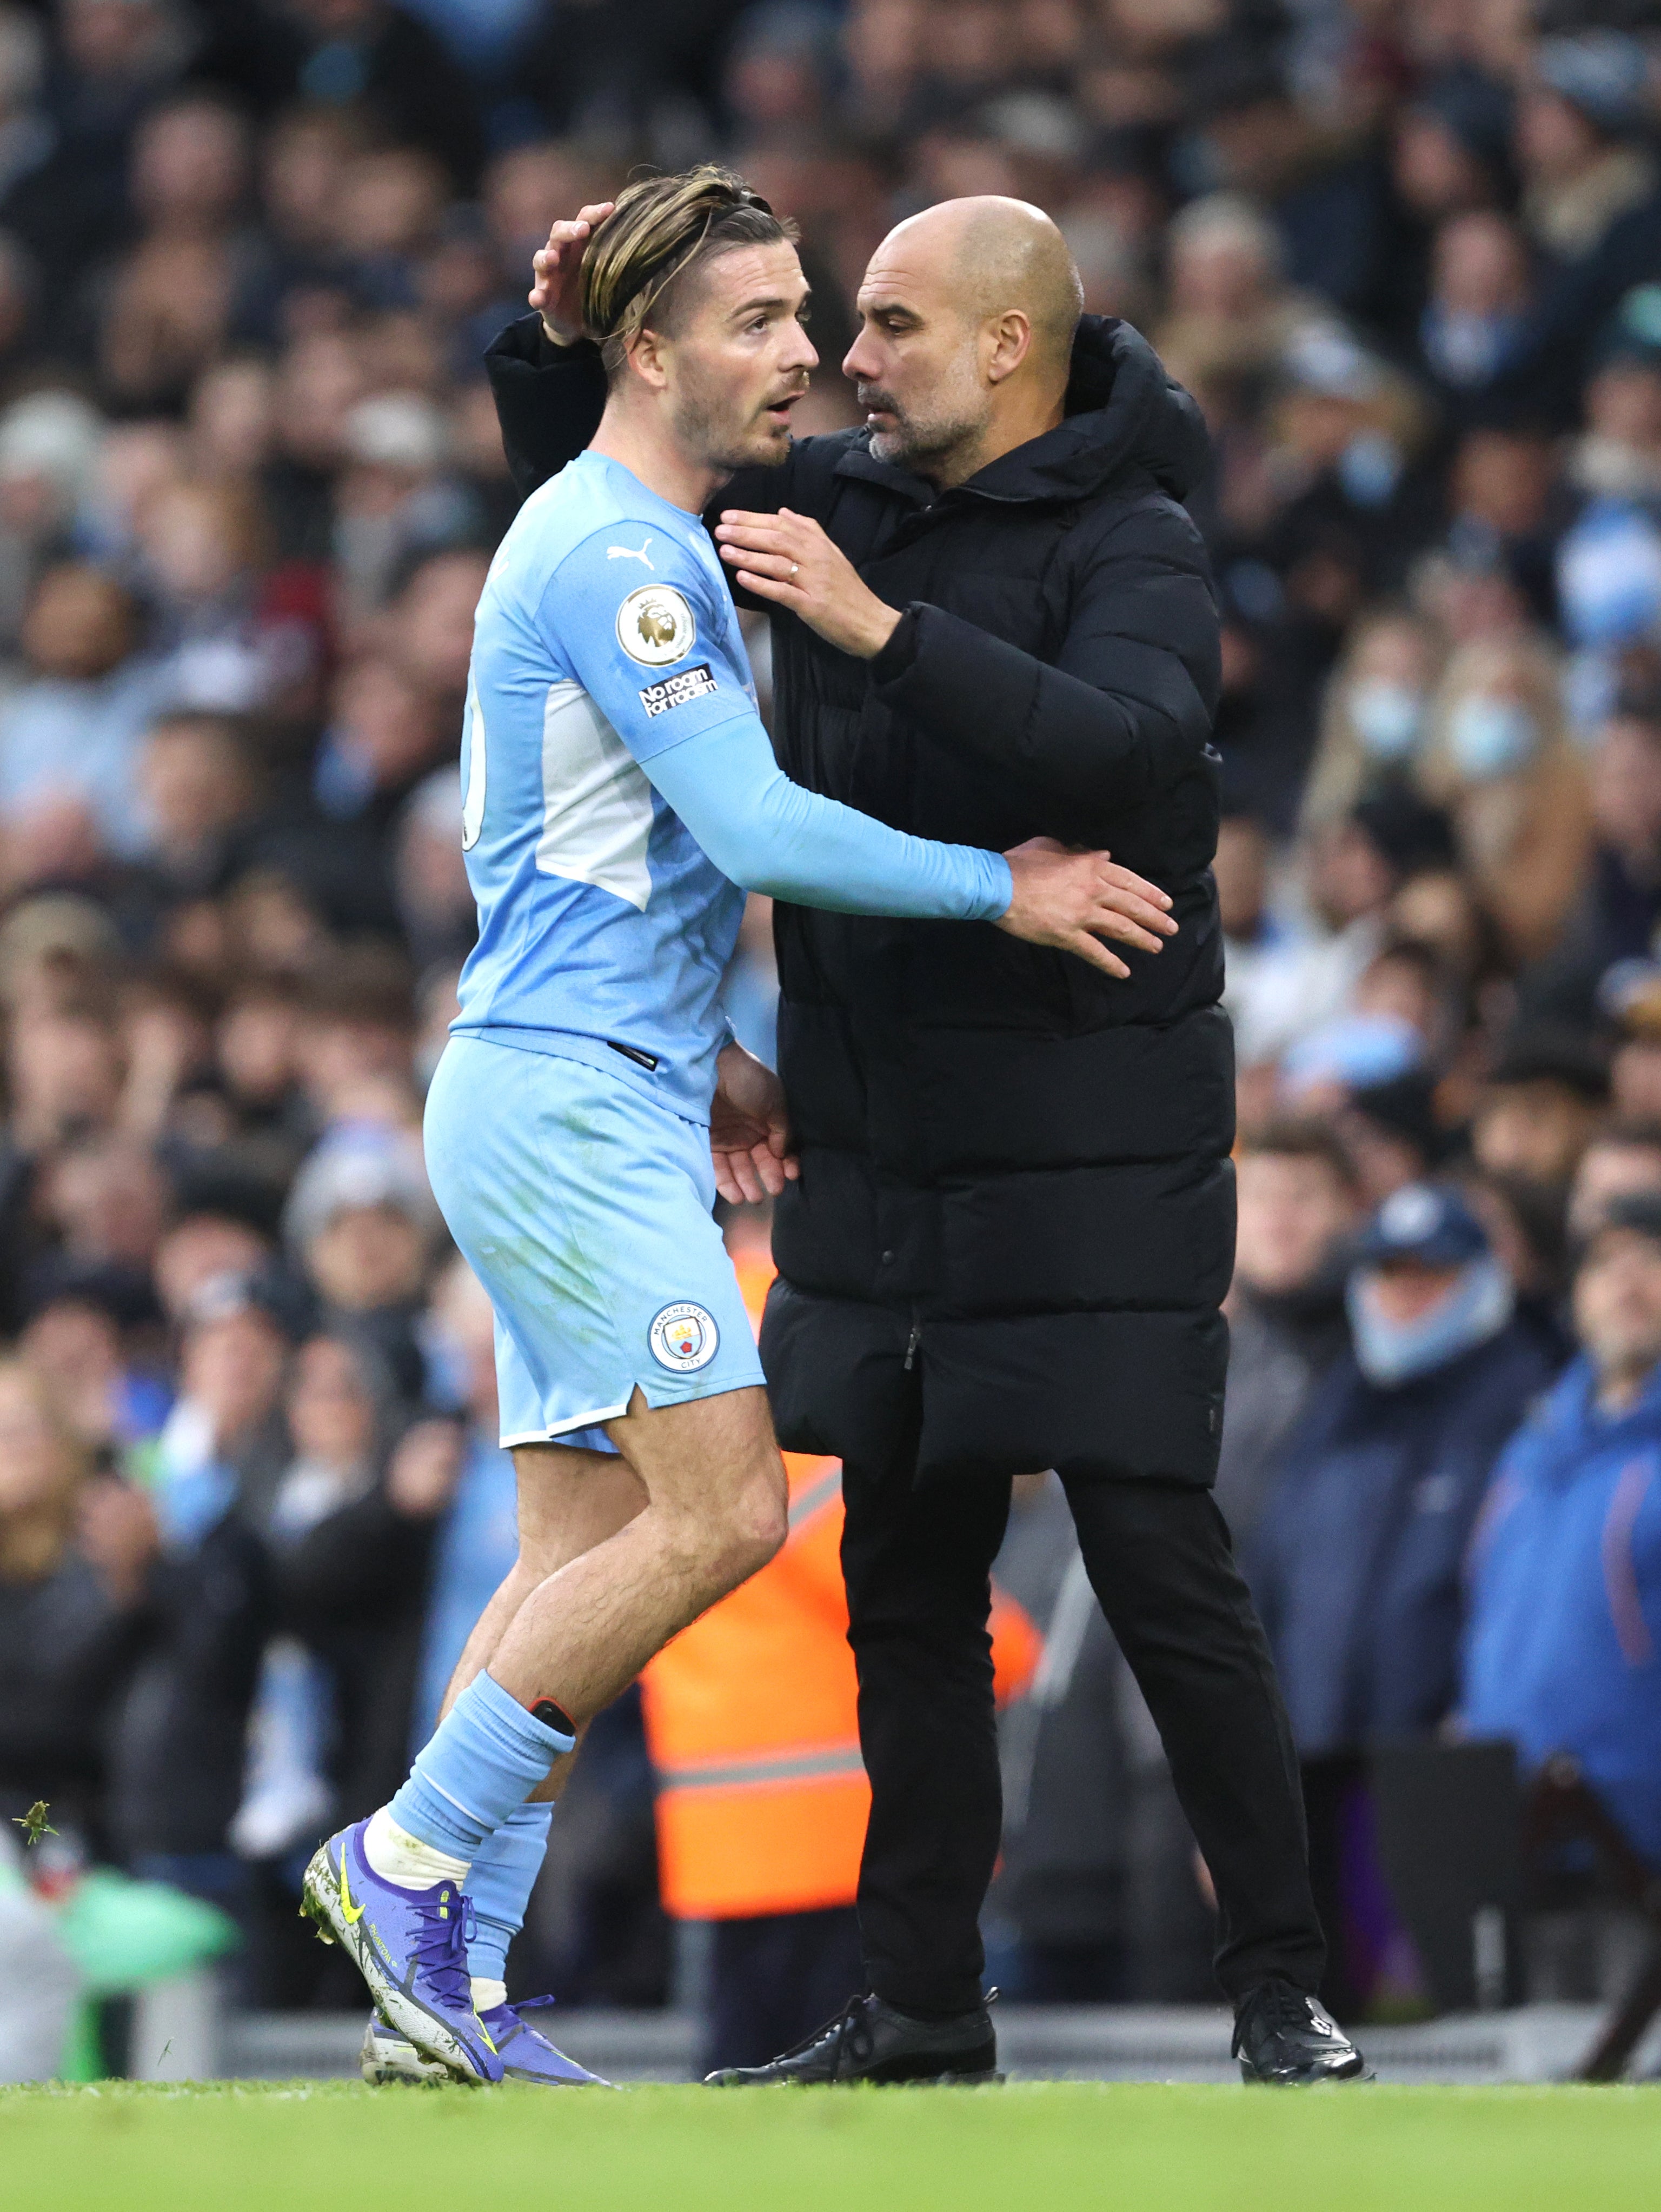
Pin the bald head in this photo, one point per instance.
(967, 314)
(997, 255)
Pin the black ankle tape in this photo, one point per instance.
(554, 1716)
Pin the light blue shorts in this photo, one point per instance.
(584, 1209)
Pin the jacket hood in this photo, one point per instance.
(1125, 416)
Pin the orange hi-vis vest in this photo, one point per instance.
(752, 1724)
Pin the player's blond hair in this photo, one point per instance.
(660, 227)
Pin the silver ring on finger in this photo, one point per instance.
(795, 569)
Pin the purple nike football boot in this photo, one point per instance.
(410, 1947)
(526, 2053)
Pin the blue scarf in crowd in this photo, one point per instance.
(1476, 1306)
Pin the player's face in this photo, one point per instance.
(915, 364)
(741, 361)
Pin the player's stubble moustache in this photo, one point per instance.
(727, 431)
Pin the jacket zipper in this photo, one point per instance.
(911, 1344)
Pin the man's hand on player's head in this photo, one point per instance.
(557, 274)
(786, 557)
(750, 1130)
(1074, 899)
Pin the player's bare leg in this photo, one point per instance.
(569, 1500)
(716, 1501)
(715, 1510)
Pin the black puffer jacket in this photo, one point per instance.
(1014, 1223)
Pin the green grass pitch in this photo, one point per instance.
(316, 2147)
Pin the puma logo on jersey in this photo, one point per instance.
(628, 553)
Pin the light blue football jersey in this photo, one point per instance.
(604, 635)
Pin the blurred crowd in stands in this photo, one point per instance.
(1407, 255)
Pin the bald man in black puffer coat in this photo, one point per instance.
(1013, 1225)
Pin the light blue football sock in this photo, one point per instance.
(500, 1882)
(480, 1763)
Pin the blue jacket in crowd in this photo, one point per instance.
(1357, 1563)
(1564, 1626)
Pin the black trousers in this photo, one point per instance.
(917, 1565)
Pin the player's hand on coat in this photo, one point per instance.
(557, 274)
(1074, 899)
(787, 558)
(750, 1130)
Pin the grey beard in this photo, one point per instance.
(906, 448)
(911, 445)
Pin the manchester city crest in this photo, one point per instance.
(683, 1338)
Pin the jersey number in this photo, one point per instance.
(472, 806)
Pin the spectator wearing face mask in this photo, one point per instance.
(1560, 1656)
(1377, 713)
(1356, 1562)
(1498, 760)
(1609, 562)
(1347, 430)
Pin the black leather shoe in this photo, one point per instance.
(872, 2042)
(1283, 2037)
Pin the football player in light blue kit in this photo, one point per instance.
(620, 796)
